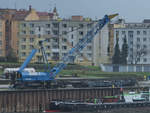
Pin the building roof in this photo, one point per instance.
(42, 14)
(20, 15)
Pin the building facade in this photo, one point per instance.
(61, 37)
(138, 40)
(2, 37)
(22, 29)
(12, 17)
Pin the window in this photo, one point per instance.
(138, 59)
(39, 28)
(71, 28)
(72, 36)
(23, 40)
(31, 25)
(64, 40)
(48, 54)
(23, 54)
(81, 25)
(64, 25)
(64, 32)
(39, 35)
(89, 48)
(131, 49)
(0, 43)
(64, 54)
(131, 42)
(138, 46)
(48, 25)
(48, 32)
(138, 39)
(24, 25)
(89, 55)
(138, 32)
(23, 47)
(144, 46)
(144, 32)
(130, 32)
(145, 52)
(123, 32)
(56, 25)
(64, 47)
(81, 54)
(131, 56)
(145, 60)
(55, 46)
(48, 39)
(89, 25)
(31, 47)
(23, 32)
(48, 47)
(55, 40)
(31, 40)
(80, 32)
(144, 39)
(117, 33)
(55, 32)
(31, 32)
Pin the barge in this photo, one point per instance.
(96, 105)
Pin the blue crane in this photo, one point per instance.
(22, 78)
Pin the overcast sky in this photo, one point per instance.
(131, 10)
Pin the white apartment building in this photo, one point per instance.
(138, 40)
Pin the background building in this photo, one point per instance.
(138, 38)
(12, 17)
(61, 36)
(22, 29)
(2, 37)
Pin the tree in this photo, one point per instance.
(124, 51)
(116, 59)
(11, 56)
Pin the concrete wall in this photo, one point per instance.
(124, 68)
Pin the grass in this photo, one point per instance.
(91, 72)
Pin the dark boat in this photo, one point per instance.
(78, 106)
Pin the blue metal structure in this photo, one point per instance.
(50, 75)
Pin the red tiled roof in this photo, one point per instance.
(43, 14)
(20, 15)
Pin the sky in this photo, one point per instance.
(130, 10)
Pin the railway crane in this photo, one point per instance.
(25, 79)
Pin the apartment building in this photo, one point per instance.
(2, 37)
(12, 18)
(138, 39)
(61, 36)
